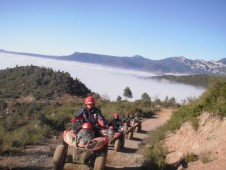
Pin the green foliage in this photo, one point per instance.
(158, 135)
(145, 96)
(31, 122)
(121, 107)
(155, 157)
(154, 152)
(195, 80)
(214, 99)
(31, 134)
(39, 83)
(205, 157)
(190, 157)
(127, 93)
(169, 102)
(119, 98)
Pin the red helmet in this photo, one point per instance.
(116, 115)
(111, 127)
(89, 100)
(87, 125)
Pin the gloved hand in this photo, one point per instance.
(73, 120)
(101, 124)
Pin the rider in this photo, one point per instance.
(116, 122)
(91, 114)
(136, 116)
(127, 118)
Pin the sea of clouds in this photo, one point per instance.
(108, 81)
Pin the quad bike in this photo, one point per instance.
(116, 139)
(128, 131)
(136, 124)
(74, 155)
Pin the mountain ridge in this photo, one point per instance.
(170, 65)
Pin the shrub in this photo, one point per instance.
(205, 157)
(190, 157)
(155, 157)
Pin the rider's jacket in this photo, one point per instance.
(136, 118)
(126, 120)
(116, 123)
(93, 116)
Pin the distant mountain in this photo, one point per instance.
(172, 65)
(183, 65)
(223, 61)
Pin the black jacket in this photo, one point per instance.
(93, 116)
(116, 123)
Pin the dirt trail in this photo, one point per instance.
(128, 158)
(40, 157)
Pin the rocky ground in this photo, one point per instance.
(39, 157)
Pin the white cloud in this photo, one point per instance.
(107, 80)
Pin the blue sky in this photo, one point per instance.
(154, 29)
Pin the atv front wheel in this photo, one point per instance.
(59, 157)
(100, 162)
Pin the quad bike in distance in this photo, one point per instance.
(128, 131)
(116, 139)
(73, 154)
(136, 124)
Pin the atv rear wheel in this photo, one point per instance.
(122, 143)
(117, 145)
(59, 157)
(100, 162)
(138, 129)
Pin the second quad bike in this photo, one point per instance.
(136, 124)
(72, 154)
(116, 139)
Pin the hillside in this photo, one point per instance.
(35, 103)
(201, 80)
(38, 83)
(195, 133)
(203, 149)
